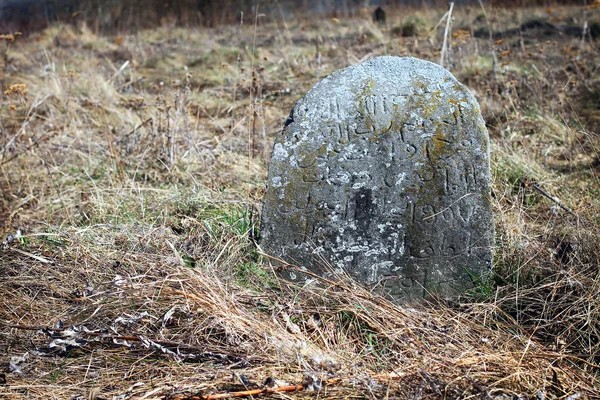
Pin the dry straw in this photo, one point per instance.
(130, 186)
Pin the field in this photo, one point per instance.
(132, 169)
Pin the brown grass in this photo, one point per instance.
(132, 170)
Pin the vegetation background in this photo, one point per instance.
(134, 142)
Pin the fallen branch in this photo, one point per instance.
(558, 203)
(555, 200)
(267, 390)
(243, 393)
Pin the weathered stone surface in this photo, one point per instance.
(382, 171)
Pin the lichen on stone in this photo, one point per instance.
(383, 171)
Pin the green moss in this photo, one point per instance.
(255, 276)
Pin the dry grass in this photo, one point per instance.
(132, 170)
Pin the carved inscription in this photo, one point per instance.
(382, 171)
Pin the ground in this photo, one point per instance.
(132, 171)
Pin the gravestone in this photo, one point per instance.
(382, 172)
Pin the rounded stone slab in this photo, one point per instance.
(382, 172)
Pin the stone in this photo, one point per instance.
(379, 15)
(382, 172)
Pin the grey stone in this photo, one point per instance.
(382, 172)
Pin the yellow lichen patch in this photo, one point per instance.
(457, 101)
(363, 94)
(426, 103)
(421, 85)
(439, 143)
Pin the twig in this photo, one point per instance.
(138, 127)
(487, 21)
(125, 64)
(265, 390)
(243, 393)
(554, 199)
(28, 254)
(567, 209)
(446, 33)
(437, 25)
(35, 143)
